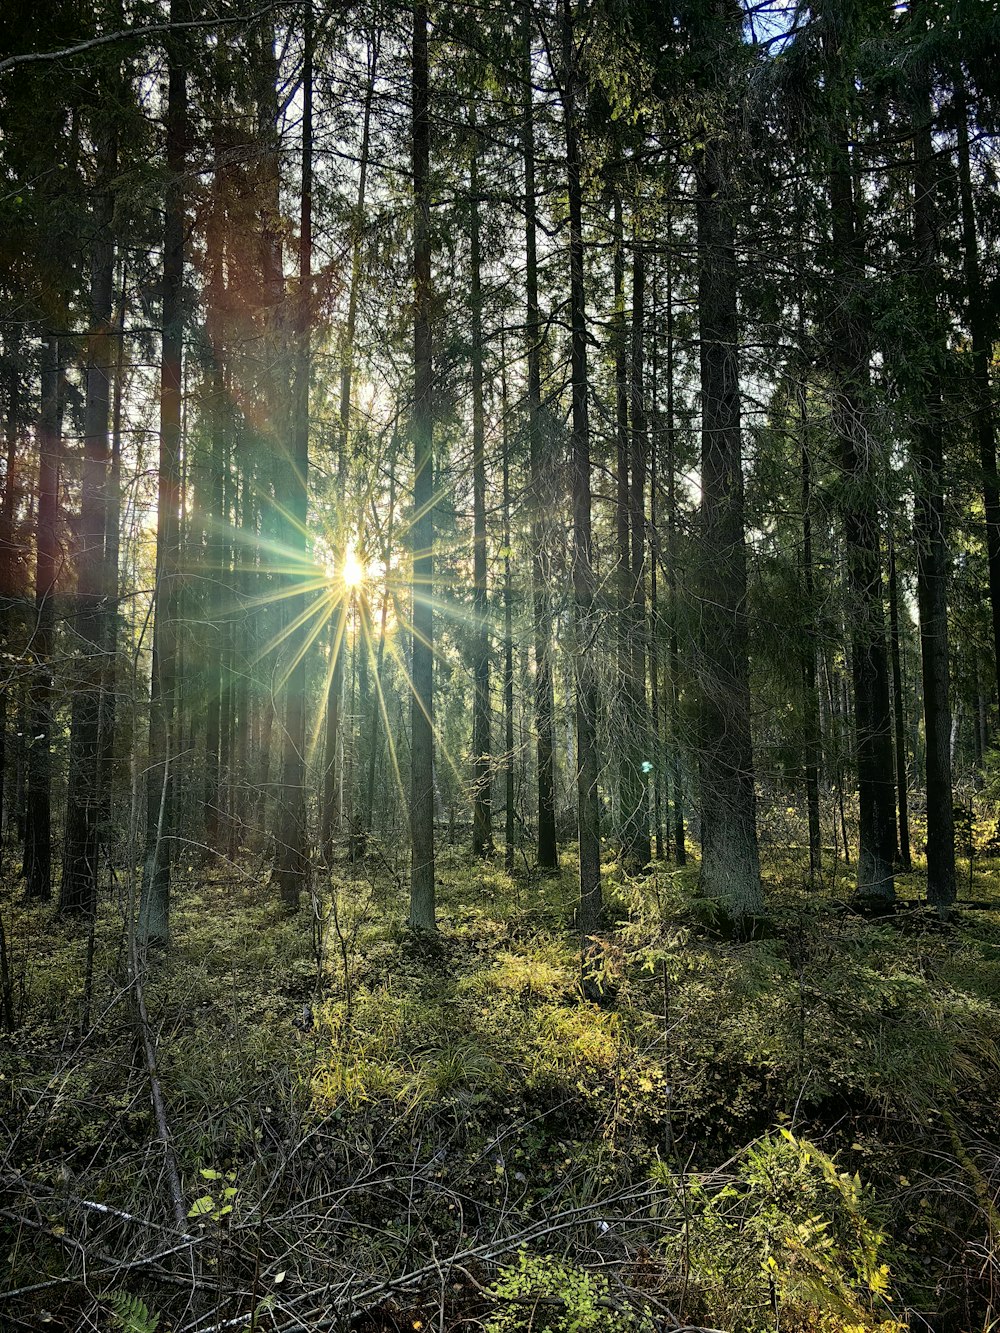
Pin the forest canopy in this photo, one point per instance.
(499, 657)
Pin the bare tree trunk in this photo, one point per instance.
(849, 359)
(482, 779)
(153, 925)
(929, 521)
(78, 890)
(639, 848)
(730, 870)
(588, 760)
(38, 781)
(548, 851)
(332, 812)
(292, 865)
(422, 890)
(982, 351)
(897, 708)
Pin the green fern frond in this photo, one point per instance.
(131, 1314)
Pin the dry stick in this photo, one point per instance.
(488, 1252)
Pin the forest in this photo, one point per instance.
(499, 657)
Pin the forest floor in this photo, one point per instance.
(377, 1131)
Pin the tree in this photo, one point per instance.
(422, 892)
(730, 870)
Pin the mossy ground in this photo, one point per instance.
(797, 1131)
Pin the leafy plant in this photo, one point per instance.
(542, 1294)
(131, 1314)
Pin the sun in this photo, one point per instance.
(352, 572)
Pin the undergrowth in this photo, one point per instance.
(794, 1132)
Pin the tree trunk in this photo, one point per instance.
(155, 902)
(548, 851)
(730, 870)
(638, 839)
(422, 890)
(78, 890)
(849, 363)
(333, 788)
(588, 762)
(38, 781)
(482, 832)
(982, 350)
(929, 534)
(292, 866)
(810, 684)
(897, 709)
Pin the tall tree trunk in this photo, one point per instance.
(482, 776)
(897, 709)
(379, 716)
(638, 840)
(982, 350)
(422, 892)
(730, 869)
(155, 903)
(508, 633)
(810, 682)
(588, 761)
(658, 733)
(292, 866)
(38, 781)
(672, 689)
(849, 360)
(8, 565)
(112, 549)
(332, 811)
(78, 889)
(929, 520)
(544, 704)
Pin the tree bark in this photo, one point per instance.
(548, 850)
(422, 889)
(588, 759)
(78, 890)
(292, 865)
(38, 781)
(730, 870)
(929, 529)
(482, 776)
(154, 908)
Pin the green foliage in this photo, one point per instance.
(542, 1294)
(790, 1237)
(131, 1314)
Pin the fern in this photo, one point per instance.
(131, 1314)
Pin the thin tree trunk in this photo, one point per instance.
(639, 848)
(153, 925)
(849, 361)
(78, 890)
(292, 865)
(332, 812)
(982, 350)
(422, 890)
(898, 715)
(8, 581)
(931, 544)
(810, 688)
(482, 777)
(588, 760)
(508, 633)
(38, 781)
(548, 851)
(672, 685)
